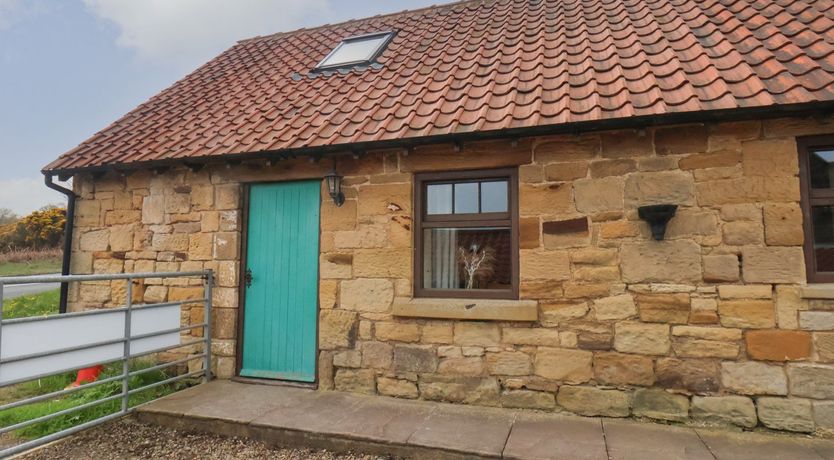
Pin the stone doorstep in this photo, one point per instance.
(343, 422)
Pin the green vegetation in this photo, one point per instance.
(42, 229)
(45, 303)
(58, 382)
(35, 267)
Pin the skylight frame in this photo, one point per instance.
(389, 35)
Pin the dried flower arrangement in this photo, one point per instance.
(477, 263)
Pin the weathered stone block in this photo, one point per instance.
(778, 345)
(743, 233)
(594, 196)
(662, 187)
(530, 336)
(735, 410)
(526, 399)
(749, 291)
(563, 172)
(544, 265)
(789, 414)
(753, 378)
(377, 355)
(529, 232)
(687, 347)
(676, 140)
(824, 415)
(748, 314)
(747, 189)
(594, 401)
(552, 314)
(397, 388)
(438, 333)
(414, 358)
(783, 224)
(98, 240)
(397, 331)
(812, 380)
(619, 229)
(622, 369)
(719, 159)
(483, 391)
(664, 308)
(660, 404)
(382, 263)
(571, 366)
(472, 366)
(355, 381)
(615, 307)
(694, 375)
(153, 209)
(337, 329)
(508, 363)
(469, 333)
(550, 198)
(688, 224)
(347, 358)
(816, 320)
(367, 294)
(824, 344)
(770, 157)
(626, 144)
(566, 147)
(605, 168)
(773, 265)
(664, 262)
(649, 339)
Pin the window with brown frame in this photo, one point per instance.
(816, 165)
(466, 234)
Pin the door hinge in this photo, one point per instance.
(247, 278)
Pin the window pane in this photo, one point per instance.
(494, 196)
(466, 198)
(823, 217)
(354, 51)
(467, 258)
(439, 199)
(822, 169)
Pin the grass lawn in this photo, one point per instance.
(58, 382)
(33, 267)
(45, 303)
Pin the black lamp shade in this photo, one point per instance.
(334, 188)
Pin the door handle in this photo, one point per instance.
(247, 277)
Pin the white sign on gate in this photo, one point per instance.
(55, 333)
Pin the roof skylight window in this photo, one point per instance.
(356, 50)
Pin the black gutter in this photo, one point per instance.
(68, 227)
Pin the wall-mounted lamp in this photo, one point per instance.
(334, 186)
(657, 217)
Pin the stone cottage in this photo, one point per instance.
(454, 204)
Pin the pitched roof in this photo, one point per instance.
(483, 66)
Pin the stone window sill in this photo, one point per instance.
(484, 309)
(817, 291)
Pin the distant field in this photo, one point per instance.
(28, 262)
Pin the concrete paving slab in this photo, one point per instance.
(753, 446)
(475, 430)
(628, 440)
(383, 420)
(314, 412)
(249, 402)
(545, 437)
(179, 403)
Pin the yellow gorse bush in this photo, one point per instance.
(39, 230)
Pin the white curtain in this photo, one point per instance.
(440, 269)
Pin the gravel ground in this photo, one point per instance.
(130, 439)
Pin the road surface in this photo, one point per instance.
(11, 291)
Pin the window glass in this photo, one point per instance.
(477, 258)
(823, 218)
(354, 50)
(439, 199)
(466, 198)
(494, 196)
(822, 168)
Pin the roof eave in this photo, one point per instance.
(817, 108)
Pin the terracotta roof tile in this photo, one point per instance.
(481, 66)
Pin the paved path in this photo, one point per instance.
(16, 290)
(419, 429)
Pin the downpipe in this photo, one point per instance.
(68, 230)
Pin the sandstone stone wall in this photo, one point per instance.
(713, 324)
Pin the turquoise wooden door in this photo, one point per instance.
(282, 253)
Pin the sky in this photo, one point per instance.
(69, 68)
